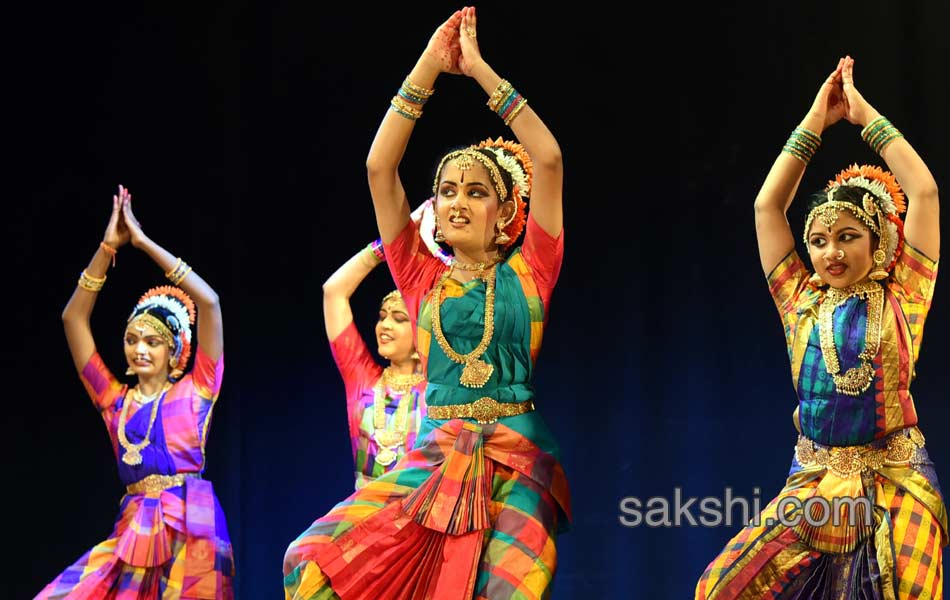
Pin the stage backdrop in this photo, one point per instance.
(242, 129)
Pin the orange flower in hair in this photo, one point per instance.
(173, 311)
(514, 159)
(876, 180)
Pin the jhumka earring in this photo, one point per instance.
(878, 272)
(501, 237)
(439, 236)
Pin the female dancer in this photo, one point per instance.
(473, 510)
(384, 406)
(170, 539)
(861, 515)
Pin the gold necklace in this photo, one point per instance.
(400, 382)
(855, 380)
(389, 439)
(133, 452)
(476, 372)
(477, 267)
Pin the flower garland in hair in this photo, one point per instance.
(181, 315)
(876, 180)
(514, 159)
(888, 197)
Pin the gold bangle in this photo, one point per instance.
(501, 90)
(173, 269)
(417, 90)
(514, 113)
(180, 271)
(184, 274)
(90, 283)
(402, 108)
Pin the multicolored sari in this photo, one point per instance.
(168, 543)
(473, 510)
(894, 553)
(360, 376)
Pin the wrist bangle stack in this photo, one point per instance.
(179, 272)
(802, 144)
(91, 283)
(506, 101)
(414, 93)
(879, 133)
(403, 109)
(410, 92)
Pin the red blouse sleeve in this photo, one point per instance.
(357, 367)
(413, 267)
(353, 359)
(543, 255)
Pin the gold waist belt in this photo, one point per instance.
(158, 483)
(901, 449)
(484, 410)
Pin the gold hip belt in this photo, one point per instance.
(158, 483)
(900, 448)
(484, 410)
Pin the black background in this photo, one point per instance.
(242, 129)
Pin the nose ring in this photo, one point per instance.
(839, 255)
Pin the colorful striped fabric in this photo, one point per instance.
(172, 544)
(901, 559)
(462, 516)
(473, 510)
(896, 555)
(887, 406)
(360, 374)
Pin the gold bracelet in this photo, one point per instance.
(514, 113)
(402, 108)
(417, 90)
(501, 91)
(90, 283)
(178, 273)
(184, 274)
(173, 269)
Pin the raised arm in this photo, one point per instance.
(392, 137)
(337, 314)
(922, 222)
(772, 230)
(532, 133)
(79, 308)
(210, 325)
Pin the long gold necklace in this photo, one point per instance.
(855, 380)
(389, 439)
(476, 372)
(133, 452)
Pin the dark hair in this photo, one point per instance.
(851, 194)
